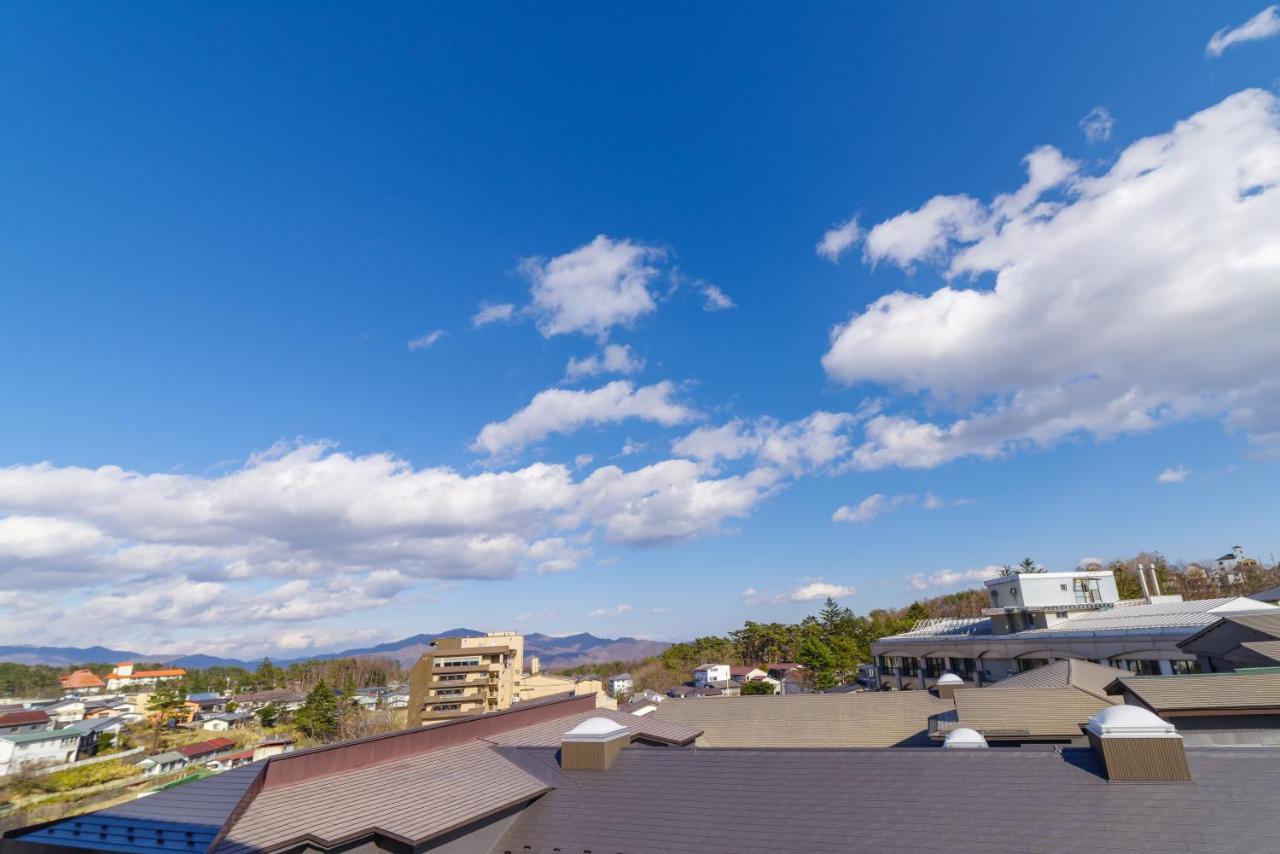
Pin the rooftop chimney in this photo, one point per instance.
(1137, 747)
(963, 738)
(1142, 579)
(593, 745)
(947, 684)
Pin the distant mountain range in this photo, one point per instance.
(553, 652)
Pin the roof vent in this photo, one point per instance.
(593, 744)
(1136, 746)
(963, 738)
(947, 684)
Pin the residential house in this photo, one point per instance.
(1235, 641)
(24, 720)
(206, 705)
(283, 699)
(619, 685)
(743, 673)
(463, 676)
(163, 763)
(710, 674)
(91, 729)
(1229, 569)
(65, 711)
(48, 747)
(82, 682)
(271, 747)
(126, 677)
(679, 692)
(203, 751)
(566, 776)
(537, 684)
(230, 760)
(1036, 618)
(226, 721)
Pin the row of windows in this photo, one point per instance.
(457, 662)
(965, 668)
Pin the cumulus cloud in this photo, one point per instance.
(595, 287)
(714, 299)
(839, 239)
(615, 611)
(494, 313)
(870, 508)
(1263, 25)
(37, 537)
(808, 591)
(613, 359)
(1086, 328)
(559, 410)
(1173, 475)
(945, 578)
(816, 441)
(422, 342)
(1098, 124)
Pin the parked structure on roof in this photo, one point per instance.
(1037, 618)
(127, 677)
(465, 676)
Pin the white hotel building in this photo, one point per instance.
(1036, 618)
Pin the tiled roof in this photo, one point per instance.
(200, 748)
(549, 733)
(24, 718)
(1204, 691)
(81, 679)
(1128, 615)
(148, 674)
(1027, 712)
(1068, 673)
(958, 801)
(869, 719)
(1267, 649)
(436, 792)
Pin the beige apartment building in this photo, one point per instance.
(465, 676)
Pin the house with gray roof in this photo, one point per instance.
(1035, 619)
(1236, 640)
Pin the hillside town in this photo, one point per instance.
(1054, 659)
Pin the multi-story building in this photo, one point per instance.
(465, 676)
(127, 678)
(1036, 618)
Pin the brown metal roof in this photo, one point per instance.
(1028, 712)
(1068, 673)
(1217, 691)
(549, 733)
(869, 719)
(410, 800)
(24, 718)
(1267, 649)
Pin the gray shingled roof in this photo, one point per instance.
(870, 719)
(1028, 712)
(435, 792)
(1267, 649)
(550, 733)
(987, 801)
(1068, 673)
(1218, 691)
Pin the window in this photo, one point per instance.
(995, 598)
(450, 677)
(1062, 587)
(449, 692)
(457, 662)
(448, 707)
(1013, 592)
(1061, 615)
(1087, 590)
(1184, 667)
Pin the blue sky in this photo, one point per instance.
(225, 227)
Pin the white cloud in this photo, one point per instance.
(945, 578)
(613, 359)
(631, 447)
(816, 441)
(1098, 124)
(582, 460)
(870, 508)
(156, 557)
(809, 591)
(595, 287)
(494, 313)
(1173, 475)
(559, 410)
(715, 299)
(615, 611)
(422, 342)
(935, 502)
(1086, 330)
(659, 610)
(1263, 25)
(839, 239)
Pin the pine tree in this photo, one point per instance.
(166, 701)
(318, 717)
